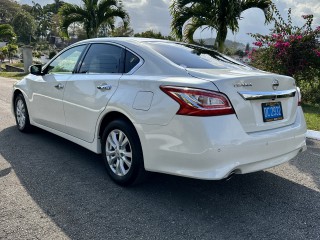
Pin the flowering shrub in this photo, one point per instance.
(292, 51)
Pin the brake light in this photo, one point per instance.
(199, 102)
(299, 96)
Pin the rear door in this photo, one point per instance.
(88, 92)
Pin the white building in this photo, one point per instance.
(2, 44)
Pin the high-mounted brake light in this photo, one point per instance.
(199, 102)
(299, 96)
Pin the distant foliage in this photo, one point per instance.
(123, 30)
(24, 26)
(153, 34)
(9, 50)
(7, 33)
(52, 54)
(292, 51)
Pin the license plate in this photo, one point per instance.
(272, 111)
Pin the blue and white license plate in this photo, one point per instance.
(272, 111)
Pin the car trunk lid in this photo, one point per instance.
(261, 100)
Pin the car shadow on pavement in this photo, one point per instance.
(70, 185)
(311, 163)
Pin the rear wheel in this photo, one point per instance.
(21, 114)
(122, 153)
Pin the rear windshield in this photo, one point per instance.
(193, 56)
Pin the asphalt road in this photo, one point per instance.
(53, 189)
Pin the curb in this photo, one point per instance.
(313, 134)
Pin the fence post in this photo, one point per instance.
(27, 58)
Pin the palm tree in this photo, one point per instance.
(6, 32)
(219, 15)
(92, 15)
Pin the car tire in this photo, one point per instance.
(21, 114)
(122, 153)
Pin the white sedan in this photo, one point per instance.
(162, 106)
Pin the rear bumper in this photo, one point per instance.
(213, 147)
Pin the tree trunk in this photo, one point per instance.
(221, 37)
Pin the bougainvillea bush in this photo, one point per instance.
(292, 51)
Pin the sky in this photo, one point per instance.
(154, 14)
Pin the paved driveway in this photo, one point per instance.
(53, 189)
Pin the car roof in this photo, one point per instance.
(132, 40)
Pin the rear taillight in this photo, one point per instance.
(299, 96)
(199, 102)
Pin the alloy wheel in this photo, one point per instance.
(118, 152)
(21, 113)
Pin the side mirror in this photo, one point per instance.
(36, 69)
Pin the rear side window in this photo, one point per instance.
(103, 58)
(192, 56)
(130, 62)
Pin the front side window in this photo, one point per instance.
(103, 58)
(66, 62)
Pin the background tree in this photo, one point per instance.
(7, 33)
(24, 26)
(122, 31)
(55, 29)
(26, 7)
(106, 28)
(42, 20)
(247, 49)
(53, 7)
(240, 53)
(8, 9)
(3, 53)
(12, 49)
(92, 14)
(219, 15)
(153, 34)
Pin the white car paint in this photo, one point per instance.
(198, 147)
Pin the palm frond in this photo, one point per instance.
(111, 9)
(265, 5)
(191, 27)
(181, 16)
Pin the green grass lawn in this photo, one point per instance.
(14, 75)
(312, 116)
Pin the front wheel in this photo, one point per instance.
(21, 114)
(122, 153)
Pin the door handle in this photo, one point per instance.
(104, 87)
(58, 86)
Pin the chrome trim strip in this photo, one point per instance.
(248, 95)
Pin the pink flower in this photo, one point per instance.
(317, 52)
(278, 44)
(258, 44)
(286, 44)
(299, 37)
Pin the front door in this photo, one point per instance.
(47, 90)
